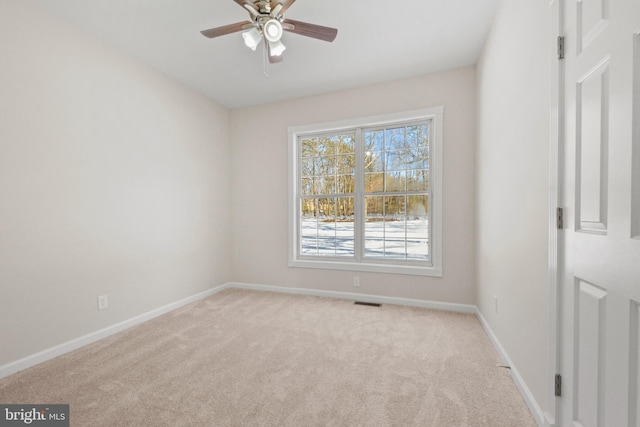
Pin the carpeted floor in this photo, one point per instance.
(247, 358)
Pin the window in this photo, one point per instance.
(365, 194)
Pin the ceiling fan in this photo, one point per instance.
(268, 23)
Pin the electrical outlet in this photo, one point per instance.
(103, 302)
(356, 280)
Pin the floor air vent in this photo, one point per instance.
(370, 304)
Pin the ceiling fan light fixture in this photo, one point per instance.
(252, 38)
(267, 23)
(276, 48)
(272, 30)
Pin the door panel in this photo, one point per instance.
(635, 213)
(592, 17)
(588, 352)
(599, 248)
(634, 363)
(592, 104)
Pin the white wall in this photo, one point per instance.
(259, 180)
(512, 186)
(116, 180)
(113, 180)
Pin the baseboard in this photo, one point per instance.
(463, 308)
(531, 402)
(534, 408)
(76, 343)
(50, 353)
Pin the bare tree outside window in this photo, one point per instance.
(364, 196)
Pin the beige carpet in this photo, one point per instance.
(247, 358)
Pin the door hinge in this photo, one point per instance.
(558, 385)
(559, 218)
(560, 47)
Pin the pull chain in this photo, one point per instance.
(265, 61)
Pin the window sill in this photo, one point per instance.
(371, 267)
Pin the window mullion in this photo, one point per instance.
(358, 216)
(320, 164)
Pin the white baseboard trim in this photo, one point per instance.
(50, 353)
(534, 408)
(531, 402)
(74, 344)
(463, 308)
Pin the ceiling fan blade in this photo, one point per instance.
(319, 32)
(227, 29)
(286, 4)
(248, 5)
(243, 2)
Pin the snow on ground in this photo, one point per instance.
(396, 239)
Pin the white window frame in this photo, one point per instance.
(431, 268)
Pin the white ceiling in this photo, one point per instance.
(377, 41)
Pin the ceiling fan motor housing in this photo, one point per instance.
(263, 6)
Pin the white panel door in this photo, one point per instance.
(599, 247)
